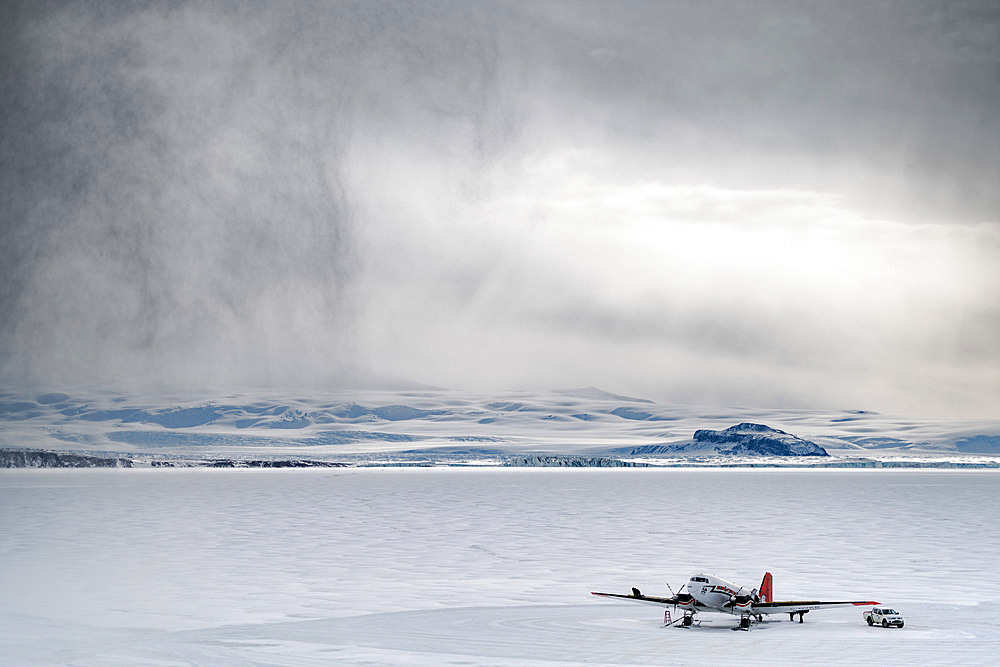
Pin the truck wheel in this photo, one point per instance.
(900, 624)
(885, 623)
(870, 621)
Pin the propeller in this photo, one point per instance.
(677, 594)
(744, 600)
(683, 599)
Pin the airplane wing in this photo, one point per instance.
(682, 600)
(795, 606)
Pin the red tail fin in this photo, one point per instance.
(766, 594)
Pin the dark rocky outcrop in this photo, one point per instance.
(271, 463)
(40, 458)
(757, 440)
(543, 461)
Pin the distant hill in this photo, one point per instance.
(758, 439)
(594, 393)
(745, 439)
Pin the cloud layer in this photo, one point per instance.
(752, 203)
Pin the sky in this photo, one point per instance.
(761, 204)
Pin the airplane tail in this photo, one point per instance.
(766, 592)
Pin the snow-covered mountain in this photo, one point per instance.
(427, 425)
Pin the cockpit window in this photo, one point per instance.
(700, 580)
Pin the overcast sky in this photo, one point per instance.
(786, 204)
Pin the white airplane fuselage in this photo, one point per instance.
(719, 594)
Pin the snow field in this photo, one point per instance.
(487, 566)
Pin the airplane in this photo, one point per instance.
(710, 594)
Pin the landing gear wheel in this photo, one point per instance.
(688, 620)
(885, 623)
(870, 621)
(745, 623)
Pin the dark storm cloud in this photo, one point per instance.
(707, 201)
(174, 201)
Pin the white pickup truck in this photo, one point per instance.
(884, 616)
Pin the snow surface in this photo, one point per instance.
(487, 566)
